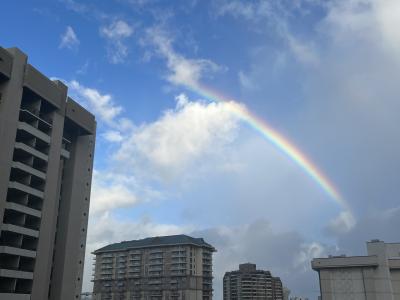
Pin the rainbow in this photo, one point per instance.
(273, 136)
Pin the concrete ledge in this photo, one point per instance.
(33, 131)
(6, 61)
(394, 263)
(344, 262)
(43, 86)
(80, 116)
(24, 209)
(65, 153)
(17, 251)
(28, 169)
(15, 296)
(24, 188)
(20, 230)
(32, 151)
(15, 274)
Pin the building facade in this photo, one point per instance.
(372, 277)
(46, 156)
(250, 283)
(175, 267)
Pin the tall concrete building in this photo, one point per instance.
(250, 283)
(167, 267)
(372, 277)
(46, 155)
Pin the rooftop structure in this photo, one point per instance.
(375, 276)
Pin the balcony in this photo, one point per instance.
(20, 230)
(29, 150)
(32, 116)
(106, 261)
(155, 274)
(34, 132)
(17, 251)
(16, 274)
(107, 255)
(178, 254)
(23, 209)
(26, 189)
(135, 258)
(28, 169)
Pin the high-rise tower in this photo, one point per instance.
(46, 157)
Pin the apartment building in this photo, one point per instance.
(46, 156)
(177, 267)
(250, 283)
(372, 277)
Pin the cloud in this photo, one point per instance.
(75, 6)
(69, 39)
(113, 136)
(381, 225)
(102, 105)
(368, 20)
(171, 144)
(249, 10)
(112, 190)
(266, 16)
(344, 222)
(117, 30)
(116, 34)
(182, 71)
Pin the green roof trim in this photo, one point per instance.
(158, 241)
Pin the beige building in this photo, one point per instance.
(372, 277)
(167, 267)
(46, 157)
(250, 283)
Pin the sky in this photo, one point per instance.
(172, 156)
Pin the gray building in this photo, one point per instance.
(46, 157)
(167, 267)
(372, 277)
(250, 283)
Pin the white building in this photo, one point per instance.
(372, 277)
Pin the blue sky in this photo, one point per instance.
(323, 73)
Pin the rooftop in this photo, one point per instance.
(170, 240)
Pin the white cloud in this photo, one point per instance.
(102, 105)
(249, 10)
(116, 33)
(69, 39)
(373, 21)
(273, 16)
(117, 30)
(112, 190)
(182, 71)
(306, 253)
(343, 223)
(302, 51)
(180, 136)
(113, 136)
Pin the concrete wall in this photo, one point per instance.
(72, 220)
(395, 278)
(43, 266)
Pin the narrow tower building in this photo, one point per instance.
(46, 156)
